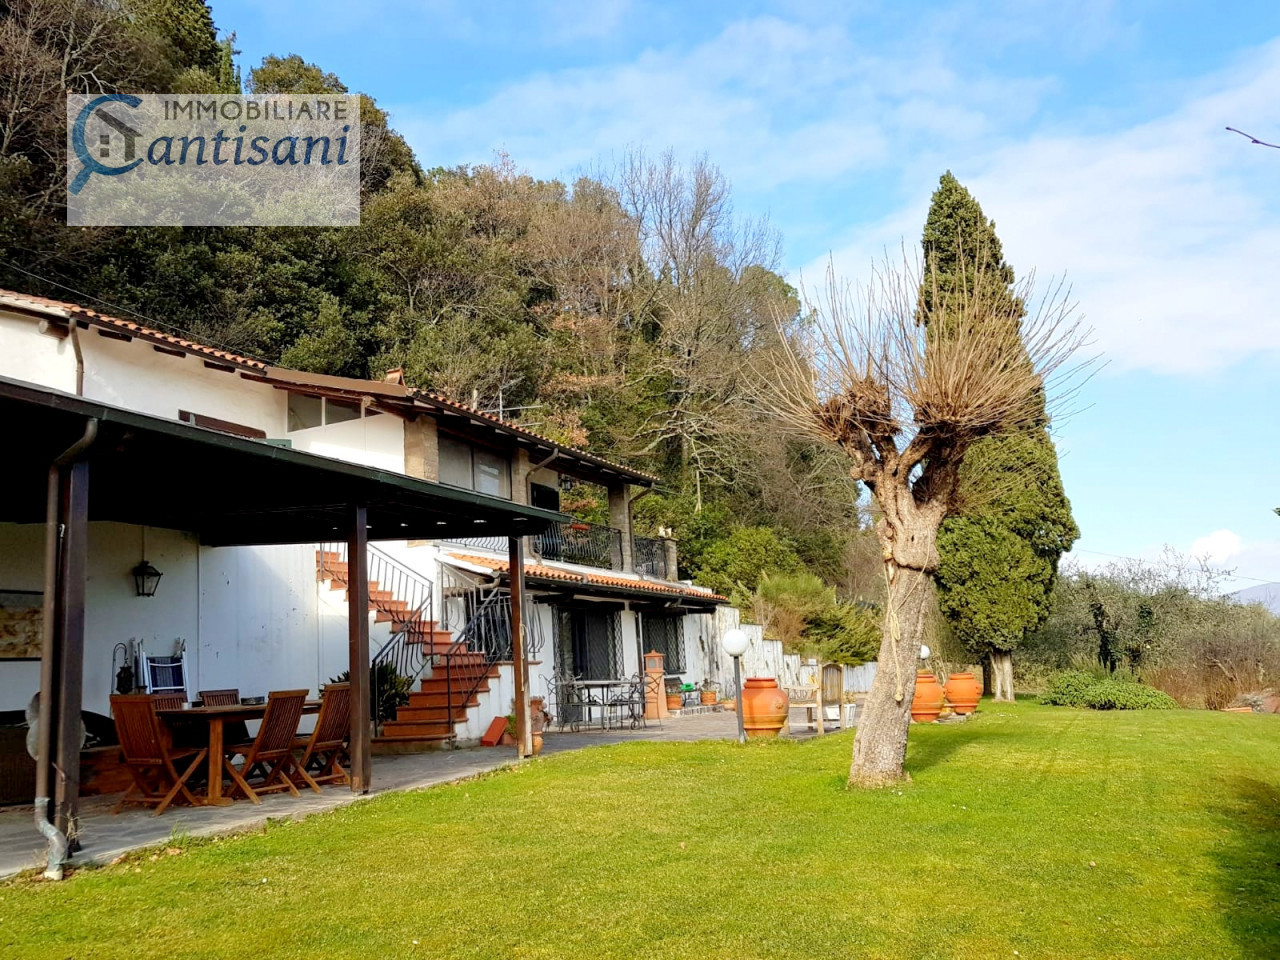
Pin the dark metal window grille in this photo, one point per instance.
(588, 644)
(663, 634)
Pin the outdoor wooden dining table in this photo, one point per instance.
(216, 718)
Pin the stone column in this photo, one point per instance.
(620, 519)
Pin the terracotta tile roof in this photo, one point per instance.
(373, 388)
(65, 311)
(542, 572)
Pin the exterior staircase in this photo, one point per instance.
(418, 644)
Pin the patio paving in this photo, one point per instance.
(106, 837)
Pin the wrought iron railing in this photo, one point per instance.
(480, 616)
(407, 599)
(590, 544)
(497, 544)
(649, 557)
(464, 595)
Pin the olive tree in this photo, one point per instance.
(904, 385)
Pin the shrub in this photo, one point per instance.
(1069, 689)
(1076, 688)
(1127, 695)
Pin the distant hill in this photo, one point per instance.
(1267, 594)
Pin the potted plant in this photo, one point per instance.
(539, 718)
(674, 698)
(708, 694)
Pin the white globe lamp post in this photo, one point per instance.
(734, 643)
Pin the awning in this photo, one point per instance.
(228, 490)
(675, 596)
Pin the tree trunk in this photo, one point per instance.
(880, 747)
(1002, 672)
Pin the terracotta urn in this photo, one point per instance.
(537, 744)
(927, 703)
(764, 707)
(708, 698)
(963, 692)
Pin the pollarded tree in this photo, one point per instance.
(905, 401)
(998, 555)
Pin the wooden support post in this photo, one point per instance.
(817, 698)
(519, 652)
(358, 647)
(69, 628)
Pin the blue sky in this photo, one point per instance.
(1092, 133)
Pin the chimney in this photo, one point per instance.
(395, 375)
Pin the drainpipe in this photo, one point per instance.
(44, 733)
(75, 345)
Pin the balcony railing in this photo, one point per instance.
(498, 544)
(649, 556)
(590, 544)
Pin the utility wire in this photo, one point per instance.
(157, 324)
(1229, 576)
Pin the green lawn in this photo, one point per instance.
(1032, 831)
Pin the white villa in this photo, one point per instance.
(244, 485)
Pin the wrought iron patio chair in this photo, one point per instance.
(626, 704)
(271, 752)
(567, 697)
(145, 749)
(325, 749)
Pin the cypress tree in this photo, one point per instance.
(998, 557)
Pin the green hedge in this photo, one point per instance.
(1075, 688)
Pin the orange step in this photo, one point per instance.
(406, 729)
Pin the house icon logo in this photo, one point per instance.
(115, 146)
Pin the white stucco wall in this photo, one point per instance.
(376, 441)
(26, 354)
(134, 376)
(114, 613)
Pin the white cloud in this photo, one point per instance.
(772, 101)
(1216, 548)
(1167, 231)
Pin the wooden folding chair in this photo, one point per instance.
(325, 749)
(145, 749)
(233, 731)
(229, 697)
(271, 752)
(167, 701)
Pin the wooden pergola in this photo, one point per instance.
(74, 460)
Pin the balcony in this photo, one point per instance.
(649, 557)
(588, 544)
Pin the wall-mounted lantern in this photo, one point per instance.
(146, 578)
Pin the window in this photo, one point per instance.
(588, 645)
(492, 473)
(226, 426)
(337, 411)
(663, 634)
(306, 411)
(474, 468)
(455, 462)
(541, 495)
